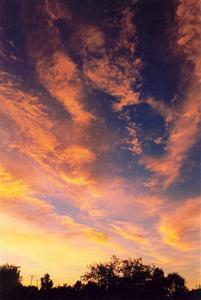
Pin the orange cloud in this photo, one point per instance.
(41, 229)
(109, 77)
(56, 10)
(121, 197)
(130, 232)
(23, 243)
(165, 110)
(152, 205)
(61, 167)
(93, 39)
(9, 188)
(134, 142)
(184, 124)
(30, 119)
(180, 227)
(57, 72)
(189, 42)
(183, 135)
(76, 155)
(61, 78)
(34, 134)
(18, 200)
(114, 73)
(79, 180)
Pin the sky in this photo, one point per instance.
(99, 130)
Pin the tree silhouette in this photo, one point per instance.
(117, 279)
(132, 279)
(78, 286)
(46, 282)
(10, 279)
(103, 274)
(176, 286)
(157, 286)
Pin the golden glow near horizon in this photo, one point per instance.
(77, 183)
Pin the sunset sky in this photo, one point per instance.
(99, 129)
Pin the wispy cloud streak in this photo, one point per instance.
(183, 120)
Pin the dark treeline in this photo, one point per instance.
(115, 280)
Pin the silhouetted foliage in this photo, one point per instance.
(132, 279)
(195, 294)
(46, 282)
(114, 280)
(10, 280)
(176, 286)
